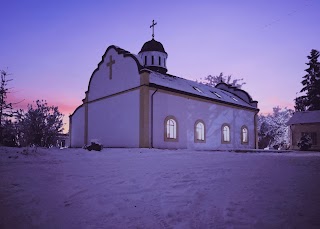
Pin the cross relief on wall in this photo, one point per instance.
(109, 64)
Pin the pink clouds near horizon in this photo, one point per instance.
(266, 106)
(66, 108)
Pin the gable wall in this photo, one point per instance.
(112, 103)
(125, 76)
(188, 110)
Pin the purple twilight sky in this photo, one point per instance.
(52, 47)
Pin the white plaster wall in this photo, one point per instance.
(163, 106)
(125, 75)
(156, 55)
(115, 121)
(188, 111)
(77, 128)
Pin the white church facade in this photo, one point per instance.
(131, 101)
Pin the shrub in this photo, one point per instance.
(305, 142)
(93, 146)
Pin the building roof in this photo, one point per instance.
(304, 117)
(152, 45)
(221, 93)
(197, 89)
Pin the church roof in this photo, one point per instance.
(152, 45)
(196, 89)
(304, 117)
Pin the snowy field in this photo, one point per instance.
(143, 188)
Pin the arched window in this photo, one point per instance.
(244, 135)
(199, 131)
(171, 129)
(225, 133)
(152, 60)
(145, 60)
(159, 60)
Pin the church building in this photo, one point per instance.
(132, 101)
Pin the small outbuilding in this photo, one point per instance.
(63, 140)
(305, 123)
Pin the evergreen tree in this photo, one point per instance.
(311, 85)
(301, 103)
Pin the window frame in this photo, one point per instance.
(241, 133)
(216, 94)
(197, 89)
(171, 117)
(222, 133)
(204, 132)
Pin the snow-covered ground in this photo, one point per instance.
(143, 188)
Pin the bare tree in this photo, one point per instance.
(40, 125)
(214, 80)
(273, 130)
(5, 107)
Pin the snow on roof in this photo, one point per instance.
(182, 85)
(305, 117)
(198, 89)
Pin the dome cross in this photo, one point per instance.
(152, 26)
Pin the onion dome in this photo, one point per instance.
(152, 45)
(154, 56)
